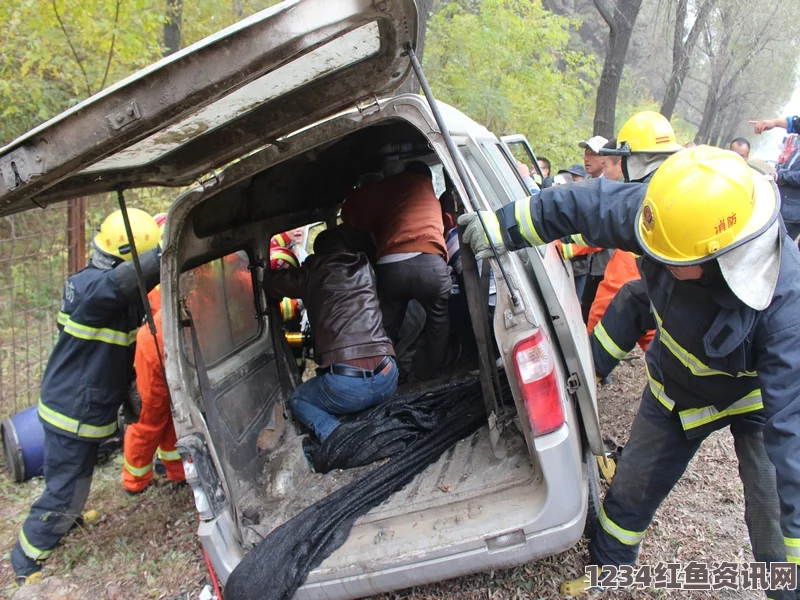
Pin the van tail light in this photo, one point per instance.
(537, 375)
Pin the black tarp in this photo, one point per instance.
(414, 431)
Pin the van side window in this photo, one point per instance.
(486, 187)
(219, 295)
(509, 175)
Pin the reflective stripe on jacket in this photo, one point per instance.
(91, 364)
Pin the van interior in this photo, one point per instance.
(258, 441)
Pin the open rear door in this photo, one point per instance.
(558, 290)
(222, 97)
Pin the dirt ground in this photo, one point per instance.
(145, 547)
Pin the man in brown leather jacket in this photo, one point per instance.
(355, 356)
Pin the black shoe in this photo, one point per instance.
(132, 494)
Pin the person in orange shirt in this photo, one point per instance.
(154, 296)
(404, 217)
(154, 429)
(629, 320)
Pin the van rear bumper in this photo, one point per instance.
(550, 515)
(459, 562)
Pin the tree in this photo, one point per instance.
(172, 26)
(740, 33)
(58, 52)
(507, 65)
(620, 16)
(682, 49)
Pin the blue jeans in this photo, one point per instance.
(316, 401)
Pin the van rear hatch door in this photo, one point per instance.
(558, 291)
(237, 90)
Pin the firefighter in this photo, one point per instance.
(723, 279)
(644, 142)
(154, 429)
(86, 379)
(154, 297)
(154, 432)
(282, 256)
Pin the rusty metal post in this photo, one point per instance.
(76, 234)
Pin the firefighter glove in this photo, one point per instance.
(476, 237)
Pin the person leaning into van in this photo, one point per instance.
(86, 380)
(724, 282)
(404, 217)
(355, 356)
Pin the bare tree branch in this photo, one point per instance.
(111, 49)
(74, 52)
(606, 12)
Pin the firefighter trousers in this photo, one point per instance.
(68, 467)
(655, 458)
(153, 431)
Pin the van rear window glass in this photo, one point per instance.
(219, 295)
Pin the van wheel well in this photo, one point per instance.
(593, 480)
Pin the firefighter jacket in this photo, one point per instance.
(712, 357)
(91, 365)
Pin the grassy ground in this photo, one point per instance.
(146, 547)
(143, 547)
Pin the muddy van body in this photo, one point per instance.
(271, 122)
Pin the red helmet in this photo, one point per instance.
(281, 240)
(282, 258)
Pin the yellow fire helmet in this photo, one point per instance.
(705, 203)
(647, 132)
(112, 239)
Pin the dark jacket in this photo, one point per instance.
(89, 369)
(789, 184)
(712, 357)
(339, 293)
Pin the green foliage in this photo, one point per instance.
(58, 52)
(508, 66)
(204, 17)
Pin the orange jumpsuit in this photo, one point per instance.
(620, 270)
(154, 430)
